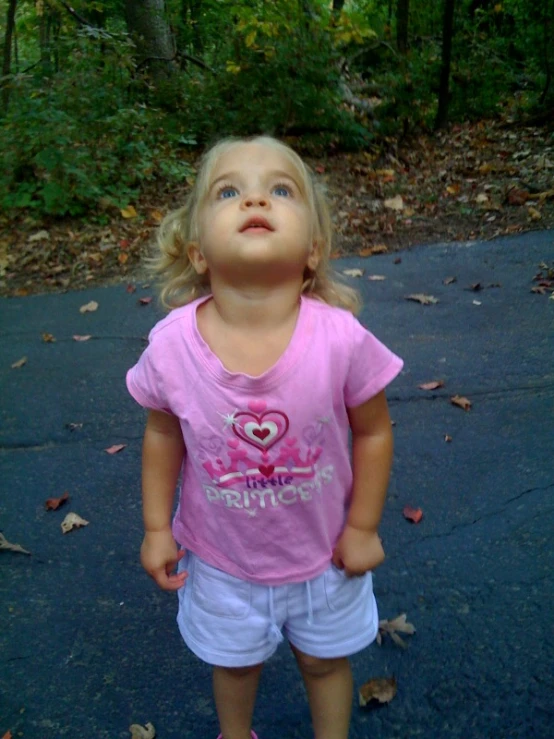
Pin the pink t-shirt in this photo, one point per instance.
(267, 478)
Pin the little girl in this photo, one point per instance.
(252, 383)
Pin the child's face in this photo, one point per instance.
(255, 220)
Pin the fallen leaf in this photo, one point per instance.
(545, 195)
(391, 626)
(123, 257)
(142, 732)
(380, 689)
(8, 735)
(144, 301)
(412, 514)
(78, 337)
(74, 426)
(52, 504)
(385, 172)
(423, 299)
(395, 203)
(534, 214)
(19, 363)
(461, 402)
(48, 338)
(72, 521)
(376, 278)
(115, 448)
(449, 280)
(369, 251)
(398, 260)
(476, 302)
(156, 216)
(353, 272)
(475, 287)
(320, 169)
(434, 385)
(8, 546)
(447, 438)
(517, 197)
(89, 307)
(39, 236)
(482, 198)
(453, 189)
(129, 212)
(131, 288)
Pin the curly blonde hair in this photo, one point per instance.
(179, 281)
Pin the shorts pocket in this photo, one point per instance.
(218, 593)
(341, 591)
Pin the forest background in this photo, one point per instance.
(427, 119)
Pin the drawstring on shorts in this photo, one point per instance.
(274, 631)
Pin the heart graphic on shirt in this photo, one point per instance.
(267, 470)
(261, 430)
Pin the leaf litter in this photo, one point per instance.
(142, 732)
(468, 183)
(390, 627)
(73, 521)
(377, 691)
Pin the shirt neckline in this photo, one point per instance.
(239, 379)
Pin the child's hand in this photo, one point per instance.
(159, 556)
(358, 551)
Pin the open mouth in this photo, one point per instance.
(256, 225)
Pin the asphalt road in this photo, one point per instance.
(89, 645)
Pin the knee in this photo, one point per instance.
(317, 666)
(240, 672)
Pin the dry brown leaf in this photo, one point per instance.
(423, 299)
(534, 214)
(144, 301)
(48, 338)
(39, 236)
(131, 288)
(156, 216)
(369, 251)
(393, 625)
(115, 448)
(123, 258)
(447, 438)
(19, 363)
(8, 546)
(89, 307)
(434, 385)
(78, 337)
(395, 203)
(545, 195)
(353, 272)
(380, 689)
(129, 212)
(8, 735)
(461, 402)
(142, 732)
(412, 514)
(52, 504)
(72, 521)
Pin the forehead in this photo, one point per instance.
(255, 157)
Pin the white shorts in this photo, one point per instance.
(234, 623)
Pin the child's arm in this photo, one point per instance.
(359, 547)
(162, 455)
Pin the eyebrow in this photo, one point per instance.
(272, 173)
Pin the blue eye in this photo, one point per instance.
(227, 192)
(282, 191)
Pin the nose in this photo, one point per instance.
(255, 198)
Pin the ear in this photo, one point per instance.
(197, 258)
(313, 257)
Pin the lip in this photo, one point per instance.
(256, 222)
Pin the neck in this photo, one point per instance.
(256, 307)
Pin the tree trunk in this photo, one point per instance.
(149, 29)
(444, 85)
(7, 59)
(402, 23)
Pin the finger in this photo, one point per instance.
(174, 582)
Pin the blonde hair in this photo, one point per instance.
(179, 281)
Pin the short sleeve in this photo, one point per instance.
(372, 367)
(144, 382)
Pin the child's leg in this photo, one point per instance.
(235, 694)
(329, 686)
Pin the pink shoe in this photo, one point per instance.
(254, 735)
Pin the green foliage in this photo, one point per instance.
(87, 125)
